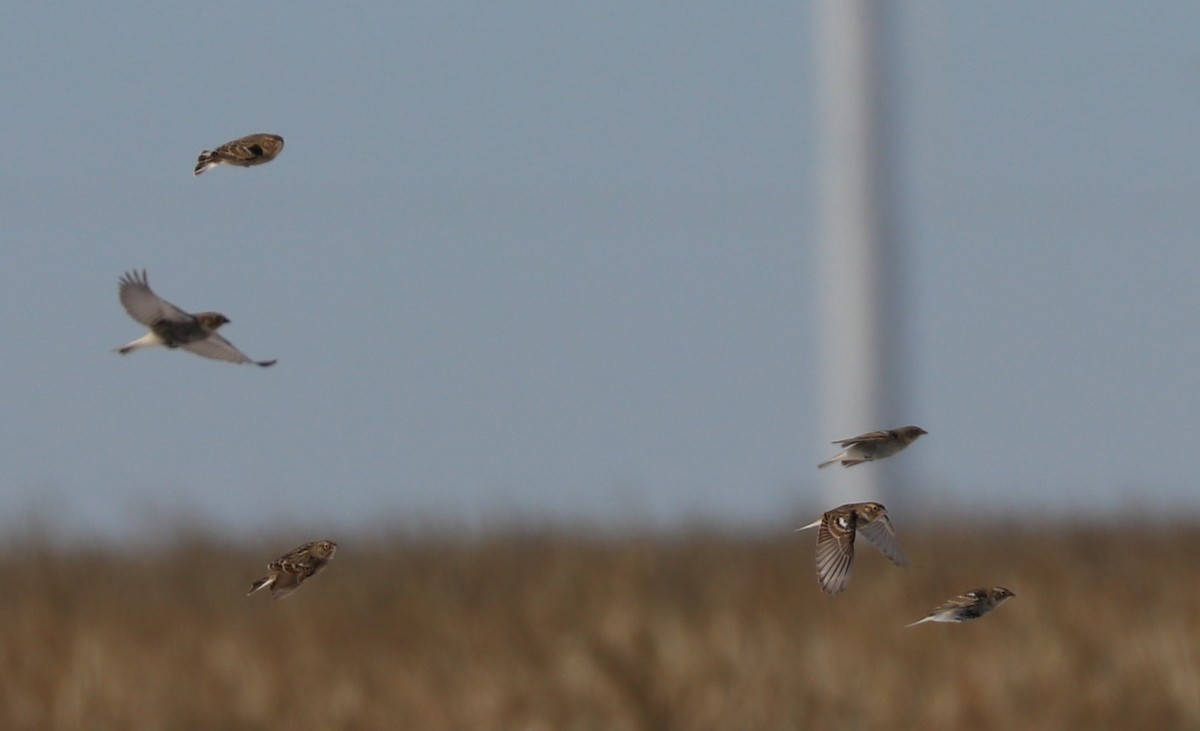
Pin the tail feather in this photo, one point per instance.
(835, 458)
(144, 341)
(206, 160)
(260, 584)
(922, 620)
(813, 524)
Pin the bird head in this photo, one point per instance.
(324, 549)
(867, 512)
(212, 320)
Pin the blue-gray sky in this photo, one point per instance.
(557, 263)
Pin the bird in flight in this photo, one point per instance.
(174, 328)
(965, 607)
(835, 541)
(249, 150)
(874, 445)
(286, 573)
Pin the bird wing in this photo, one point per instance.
(291, 558)
(835, 555)
(302, 564)
(251, 147)
(144, 305)
(285, 584)
(873, 436)
(218, 348)
(881, 535)
(962, 601)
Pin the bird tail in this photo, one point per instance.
(260, 584)
(922, 620)
(813, 524)
(207, 160)
(144, 341)
(828, 462)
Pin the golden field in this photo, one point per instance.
(548, 631)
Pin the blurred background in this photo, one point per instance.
(558, 264)
(544, 286)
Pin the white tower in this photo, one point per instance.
(860, 352)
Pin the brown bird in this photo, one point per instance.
(174, 328)
(965, 607)
(874, 445)
(249, 150)
(835, 541)
(292, 569)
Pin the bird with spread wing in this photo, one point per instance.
(174, 328)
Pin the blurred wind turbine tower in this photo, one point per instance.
(860, 341)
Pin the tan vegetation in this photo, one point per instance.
(547, 631)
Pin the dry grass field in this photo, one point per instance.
(552, 632)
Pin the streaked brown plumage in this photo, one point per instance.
(968, 606)
(245, 152)
(874, 445)
(835, 541)
(292, 569)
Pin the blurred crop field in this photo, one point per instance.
(533, 630)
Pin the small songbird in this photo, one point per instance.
(293, 568)
(965, 607)
(874, 445)
(174, 328)
(835, 541)
(249, 150)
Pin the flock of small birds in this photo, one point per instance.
(837, 528)
(196, 332)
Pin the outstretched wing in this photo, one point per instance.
(835, 551)
(881, 535)
(218, 348)
(144, 305)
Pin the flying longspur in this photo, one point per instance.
(174, 328)
(965, 607)
(289, 571)
(250, 150)
(874, 445)
(835, 541)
